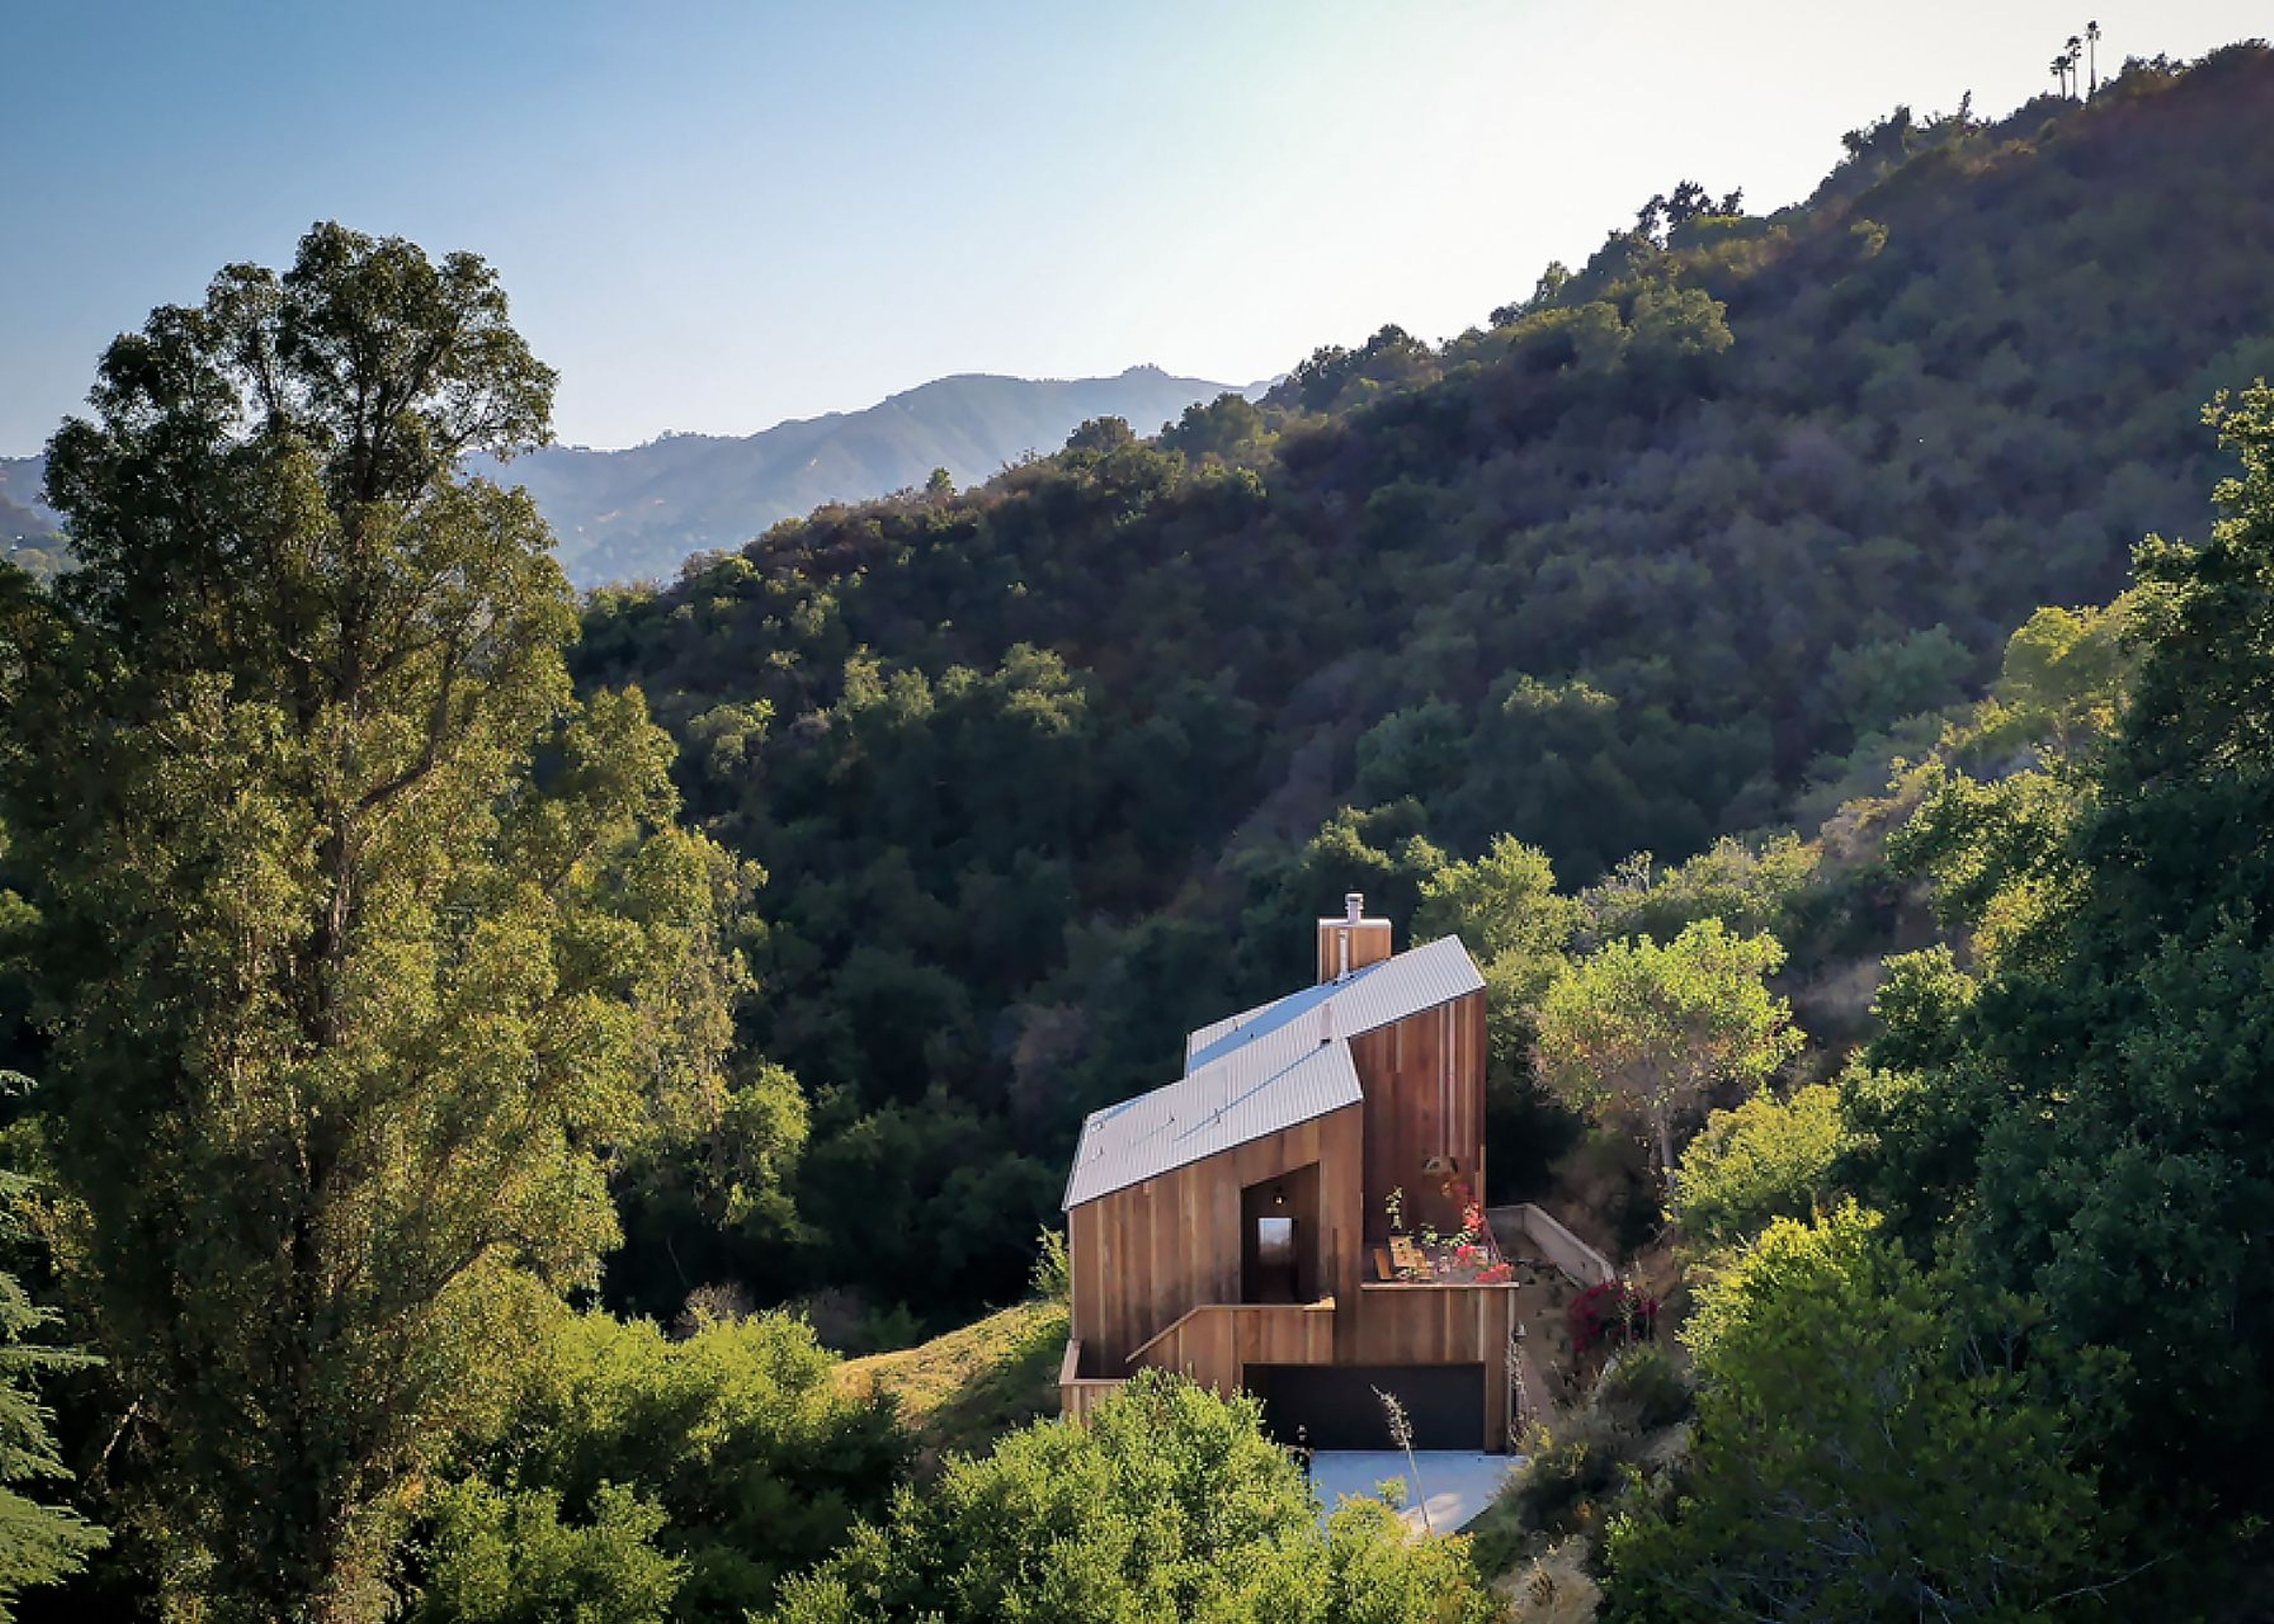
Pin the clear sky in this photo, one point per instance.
(714, 216)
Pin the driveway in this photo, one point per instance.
(1458, 1485)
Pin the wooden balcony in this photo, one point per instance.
(1079, 1394)
(1216, 1340)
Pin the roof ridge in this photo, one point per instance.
(1254, 1075)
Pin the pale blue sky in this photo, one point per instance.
(715, 216)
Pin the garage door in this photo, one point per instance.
(1446, 1403)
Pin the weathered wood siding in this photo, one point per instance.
(1441, 1325)
(1214, 1345)
(1158, 1274)
(1369, 943)
(1424, 1079)
(1145, 1256)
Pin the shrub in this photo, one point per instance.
(1560, 1488)
(1614, 1314)
(1854, 1456)
(1641, 1390)
(1767, 1158)
(1169, 1503)
(646, 1476)
(1053, 1275)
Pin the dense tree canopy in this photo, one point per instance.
(2092, 1120)
(365, 946)
(1769, 1158)
(1856, 1460)
(640, 1476)
(2055, 1323)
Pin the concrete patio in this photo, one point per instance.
(1460, 1486)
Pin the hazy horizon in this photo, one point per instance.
(718, 218)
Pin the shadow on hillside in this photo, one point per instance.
(961, 1392)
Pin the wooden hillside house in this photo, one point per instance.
(1300, 1215)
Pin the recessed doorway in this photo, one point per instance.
(1279, 1239)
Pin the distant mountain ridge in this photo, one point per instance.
(22, 513)
(639, 513)
(30, 530)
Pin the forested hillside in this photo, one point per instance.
(636, 514)
(1691, 540)
(472, 1060)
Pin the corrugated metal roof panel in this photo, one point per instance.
(1263, 1069)
(1240, 1098)
(1404, 984)
(1197, 1041)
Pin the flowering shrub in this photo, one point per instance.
(1498, 1275)
(1611, 1315)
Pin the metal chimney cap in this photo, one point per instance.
(1353, 906)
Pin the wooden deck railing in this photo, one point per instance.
(1079, 1394)
(1215, 1342)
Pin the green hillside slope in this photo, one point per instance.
(1666, 551)
(964, 1390)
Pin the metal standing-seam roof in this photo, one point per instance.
(1263, 1069)
(1241, 1098)
(1406, 983)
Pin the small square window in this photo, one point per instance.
(1275, 1242)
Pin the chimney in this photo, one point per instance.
(1350, 942)
(1326, 1023)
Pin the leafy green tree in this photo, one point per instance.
(1644, 1030)
(1857, 1456)
(714, 1196)
(367, 948)
(40, 1543)
(1747, 887)
(2066, 673)
(1996, 853)
(1101, 435)
(1505, 908)
(718, 1462)
(1421, 752)
(1379, 852)
(1877, 684)
(1170, 1503)
(2109, 1068)
(510, 1557)
(1229, 426)
(1769, 1158)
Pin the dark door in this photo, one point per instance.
(1336, 1402)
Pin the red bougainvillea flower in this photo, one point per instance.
(1612, 1314)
